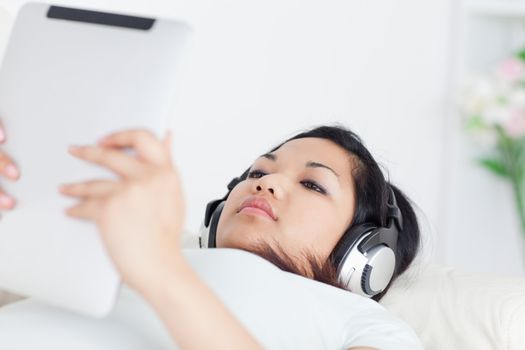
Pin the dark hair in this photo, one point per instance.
(371, 195)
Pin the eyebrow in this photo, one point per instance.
(309, 164)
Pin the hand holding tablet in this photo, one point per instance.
(139, 216)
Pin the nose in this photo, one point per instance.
(259, 188)
(271, 183)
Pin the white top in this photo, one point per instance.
(282, 310)
(287, 311)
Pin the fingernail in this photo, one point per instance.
(6, 201)
(11, 171)
(2, 134)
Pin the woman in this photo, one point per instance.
(296, 206)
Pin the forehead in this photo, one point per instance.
(318, 150)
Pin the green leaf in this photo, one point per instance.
(475, 122)
(521, 55)
(496, 166)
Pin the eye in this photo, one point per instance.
(255, 174)
(309, 184)
(312, 185)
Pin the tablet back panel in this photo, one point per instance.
(70, 77)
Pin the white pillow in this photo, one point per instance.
(282, 310)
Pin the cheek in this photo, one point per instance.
(312, 227)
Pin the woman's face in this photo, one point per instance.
(307, 189)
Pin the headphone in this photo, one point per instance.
(364, 257)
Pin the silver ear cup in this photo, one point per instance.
(378, 272)
(367, 273)
(365, 256)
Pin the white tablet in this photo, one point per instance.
(71, 76)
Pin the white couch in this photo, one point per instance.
(450, 309)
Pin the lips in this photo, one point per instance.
(258, 203)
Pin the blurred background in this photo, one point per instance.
(258, 72)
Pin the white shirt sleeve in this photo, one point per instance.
(378, 329)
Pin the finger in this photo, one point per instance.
(6, 201)
(87, 209)
(94, 188)
(2, 132)
(115, 160)
(8, 167)
(147, 146)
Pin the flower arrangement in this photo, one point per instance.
(494, 109)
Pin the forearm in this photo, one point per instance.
(194, 316)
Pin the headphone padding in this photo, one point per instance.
(347, 241)
(214, 222)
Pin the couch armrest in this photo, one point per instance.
(450, 309)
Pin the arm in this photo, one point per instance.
(140, 219)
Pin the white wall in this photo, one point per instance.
(259, 71)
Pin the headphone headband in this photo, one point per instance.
(387, 235)
(393, 211)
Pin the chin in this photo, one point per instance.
(241, 238)
(235, 241)
(243, 231)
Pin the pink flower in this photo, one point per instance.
(515, 125)
(512, 69)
